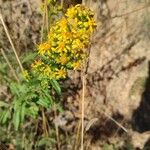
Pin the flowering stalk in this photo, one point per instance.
(65, 47)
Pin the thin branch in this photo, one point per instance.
(116, 122)
(10, 66)
(44, 20)
(12, 45)
(83, 2)
(44, 123)
(128, 13)
(46, 16)
(109, 117)
(62, 3)
(77, 139)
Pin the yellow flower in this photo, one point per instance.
(73, 22)
(37, 64)
(60, 73)
(76, 65)
(63, 23)
(66, 35)
(92, 25)
(71, 12)
(61, 46)
(62, 59)
(66, 44)
(26, 75)
(77, 44)
(47, 70)
(43, 48)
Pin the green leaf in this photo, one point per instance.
(23, 109)
(14, 88)
(43, 102)
(46, 141)
(16, 119)
(1, 116)
(3, 104)
(56, 86)
(48, 96)
(19, 89)
(3, 68)
(29, 57)
(59, 108)
(17, 104)
(32, 111)
(6, 116)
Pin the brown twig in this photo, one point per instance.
(44, 123)
(77, 139)
(128, 13)
(9, 64)
(116, 122)
(10, 40)
(57, 130)
(46, 17)
(45, 21)
(62, 3)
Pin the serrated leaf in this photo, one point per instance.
(18, 89)
(30, 97)
(56, 86)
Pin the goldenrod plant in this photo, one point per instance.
(66, 44)
(65, 48)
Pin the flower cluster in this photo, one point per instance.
(65, 48)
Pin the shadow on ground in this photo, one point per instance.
(105, 128)
(147, 145)
(141, 116)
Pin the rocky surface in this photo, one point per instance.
(118, 70)
(117, 100)
(23, 19)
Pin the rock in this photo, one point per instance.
(139, 140)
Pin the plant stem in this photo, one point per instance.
(77, 139)
(45, 21)
(62, 3)
(44, 123)
(83, 2)
(46, 17)
(82, 111)
(57, 130)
